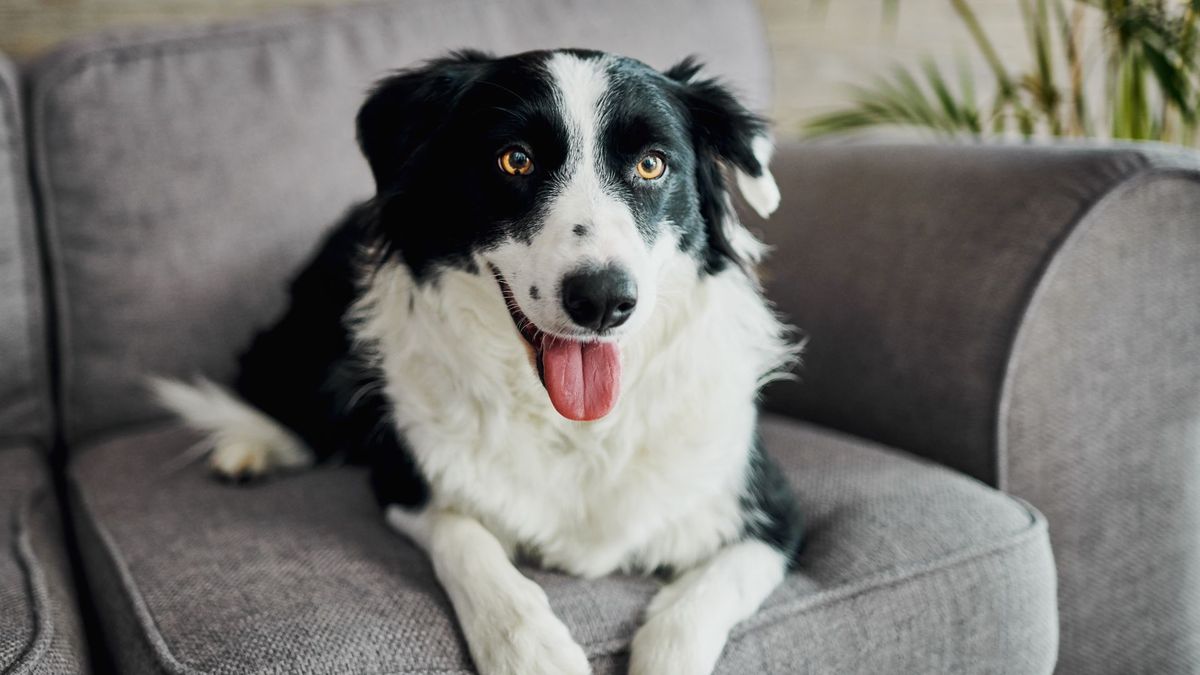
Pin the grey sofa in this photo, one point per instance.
(983, 322)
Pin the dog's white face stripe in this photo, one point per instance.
(583, 201)
(580, 86)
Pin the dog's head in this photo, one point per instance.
(573, 178)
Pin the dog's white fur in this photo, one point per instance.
(245, 441)
(656, 483)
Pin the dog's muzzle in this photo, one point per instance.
(582, 377)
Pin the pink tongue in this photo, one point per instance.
(582, 378)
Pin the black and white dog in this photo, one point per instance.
(545, 336)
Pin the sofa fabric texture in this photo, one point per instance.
(24, 392)
(909, 568)
(1103, 417)
(186, 173)
(1027, 315)
(910, 268)
(40, 631)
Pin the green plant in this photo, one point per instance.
(1151, 76)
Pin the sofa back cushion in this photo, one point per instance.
(186, 173)
(24, 389)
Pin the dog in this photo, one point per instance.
(545, 336)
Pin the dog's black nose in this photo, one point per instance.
(599, 298)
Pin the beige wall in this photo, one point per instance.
(816, 53)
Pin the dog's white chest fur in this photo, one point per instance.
(657, 482)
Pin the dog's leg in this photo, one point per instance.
(507, 620)
(689, 620)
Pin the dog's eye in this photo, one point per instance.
(516, 162)
(651, 166)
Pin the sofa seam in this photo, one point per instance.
(885, 578)
(53, 268)
(35, 582)
(28, 242)
(131, 591)
(890, 577)
(1035, 291)
(996, 412)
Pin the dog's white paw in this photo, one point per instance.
(670, 645)
(528, 641)
(249, 460)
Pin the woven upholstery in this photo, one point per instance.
(24, 392)
(1103, 427)
(909, 568)
(40, 632)
(1027, 315)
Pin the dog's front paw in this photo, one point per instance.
(531, 641)
(668, 644)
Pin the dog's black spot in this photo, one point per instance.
(534, 292)
(580, 230)
(769, 508)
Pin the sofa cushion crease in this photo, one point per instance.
(36, 586)
(24, 394)
(40, 632)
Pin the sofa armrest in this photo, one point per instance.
(1030, 316)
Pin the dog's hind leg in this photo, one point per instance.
(505, 616)
(688, 622)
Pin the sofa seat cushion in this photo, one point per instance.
(909, 567)
(40, 630)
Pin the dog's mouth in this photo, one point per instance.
(582, 377)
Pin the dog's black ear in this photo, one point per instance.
(726, 134)
(404, 111)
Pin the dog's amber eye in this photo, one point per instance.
(651, 166)
(516, 162)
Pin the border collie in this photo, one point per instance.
(545, 336)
